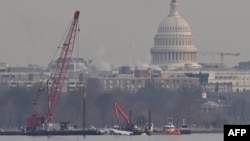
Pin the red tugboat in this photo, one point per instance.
(170, 129)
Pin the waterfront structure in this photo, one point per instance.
(173, 43)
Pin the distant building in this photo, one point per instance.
(15, 76)
(244, 65)
(240, 79)
(212, 106)
(218, 87)
(203, 77)
(223, 81)
(142, 79)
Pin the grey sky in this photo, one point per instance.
(119, 32)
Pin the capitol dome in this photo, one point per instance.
(173, 43)
(174, 24)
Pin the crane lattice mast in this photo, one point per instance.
(59, 74)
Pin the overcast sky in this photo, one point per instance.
(119, 32)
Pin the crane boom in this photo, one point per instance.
(59, 74)
(37, 109)
(221, 54)
(119, 110)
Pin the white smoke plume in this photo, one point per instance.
(146, 66)
(100, 58)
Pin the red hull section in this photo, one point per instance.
(171, 129)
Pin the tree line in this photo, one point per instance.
(162, 104)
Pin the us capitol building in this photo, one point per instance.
(173, 43)
(173, 51)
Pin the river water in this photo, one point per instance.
(192, 137)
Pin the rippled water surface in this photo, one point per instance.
(192, 137)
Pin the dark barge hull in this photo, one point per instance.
(11, 133)
(51, 133)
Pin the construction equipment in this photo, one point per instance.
(130, 128)
(37, 109)
(221, 54)
(118, 110)
(35, 120)
(57, 76)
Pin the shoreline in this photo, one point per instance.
(96, 133)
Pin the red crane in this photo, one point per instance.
(58, 76)
(61, 67)
(119, 110)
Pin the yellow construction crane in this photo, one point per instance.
(221, 54)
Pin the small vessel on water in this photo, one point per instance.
(184, 128)
(170, 129)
